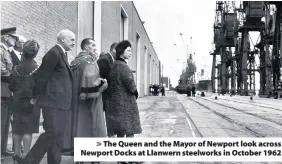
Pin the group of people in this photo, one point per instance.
(155, 89)
(13, 52)
(93, 96)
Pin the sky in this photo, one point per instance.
(165, 20)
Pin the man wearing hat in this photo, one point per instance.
(7, 40)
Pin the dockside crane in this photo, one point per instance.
(190, 64)
(225, 21)
(240, 67)
(277, 48)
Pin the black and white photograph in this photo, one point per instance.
(137, 69)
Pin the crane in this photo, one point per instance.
(187, 77)
(190, 68)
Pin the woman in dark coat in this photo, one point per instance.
(123, 115)
(25, 115)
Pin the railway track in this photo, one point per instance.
(246, 129)
(243, 111)
(190, 120)
(196, 129)
(253, 103)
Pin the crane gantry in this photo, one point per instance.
(235, 55)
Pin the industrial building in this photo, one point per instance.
(105, 21)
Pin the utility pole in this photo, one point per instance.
(162, 75)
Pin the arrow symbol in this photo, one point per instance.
(99, 144)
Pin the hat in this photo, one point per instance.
(7, 31)
(15, 35)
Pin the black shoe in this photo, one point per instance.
(17, 159)
(122, 162)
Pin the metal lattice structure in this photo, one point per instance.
(235, 71)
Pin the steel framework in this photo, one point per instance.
(235, 71)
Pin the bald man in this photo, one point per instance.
(53, 92)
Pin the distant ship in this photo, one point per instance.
(204, 82)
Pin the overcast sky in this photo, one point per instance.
(165, 20)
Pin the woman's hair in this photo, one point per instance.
(121, 46)
(30, 49)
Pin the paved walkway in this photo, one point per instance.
(160, 117)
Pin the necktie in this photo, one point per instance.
(21, 59)
(66, 56)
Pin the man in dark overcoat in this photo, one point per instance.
(163, 90)
(53, 92)
(193, 90)
(105, 62)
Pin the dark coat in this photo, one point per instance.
(105, 63)
(123, 115)
(193, 90)
(25, 115)
(15, 59)
(54, 80)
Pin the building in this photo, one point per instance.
(105, 21)
(166, 83)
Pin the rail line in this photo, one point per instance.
(252, 114)
(191, 121)
(245, 128)
(254, 104)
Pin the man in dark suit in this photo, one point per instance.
(53, 92)
(105, 62)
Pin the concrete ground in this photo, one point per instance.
(177, 115)
(160, 117)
